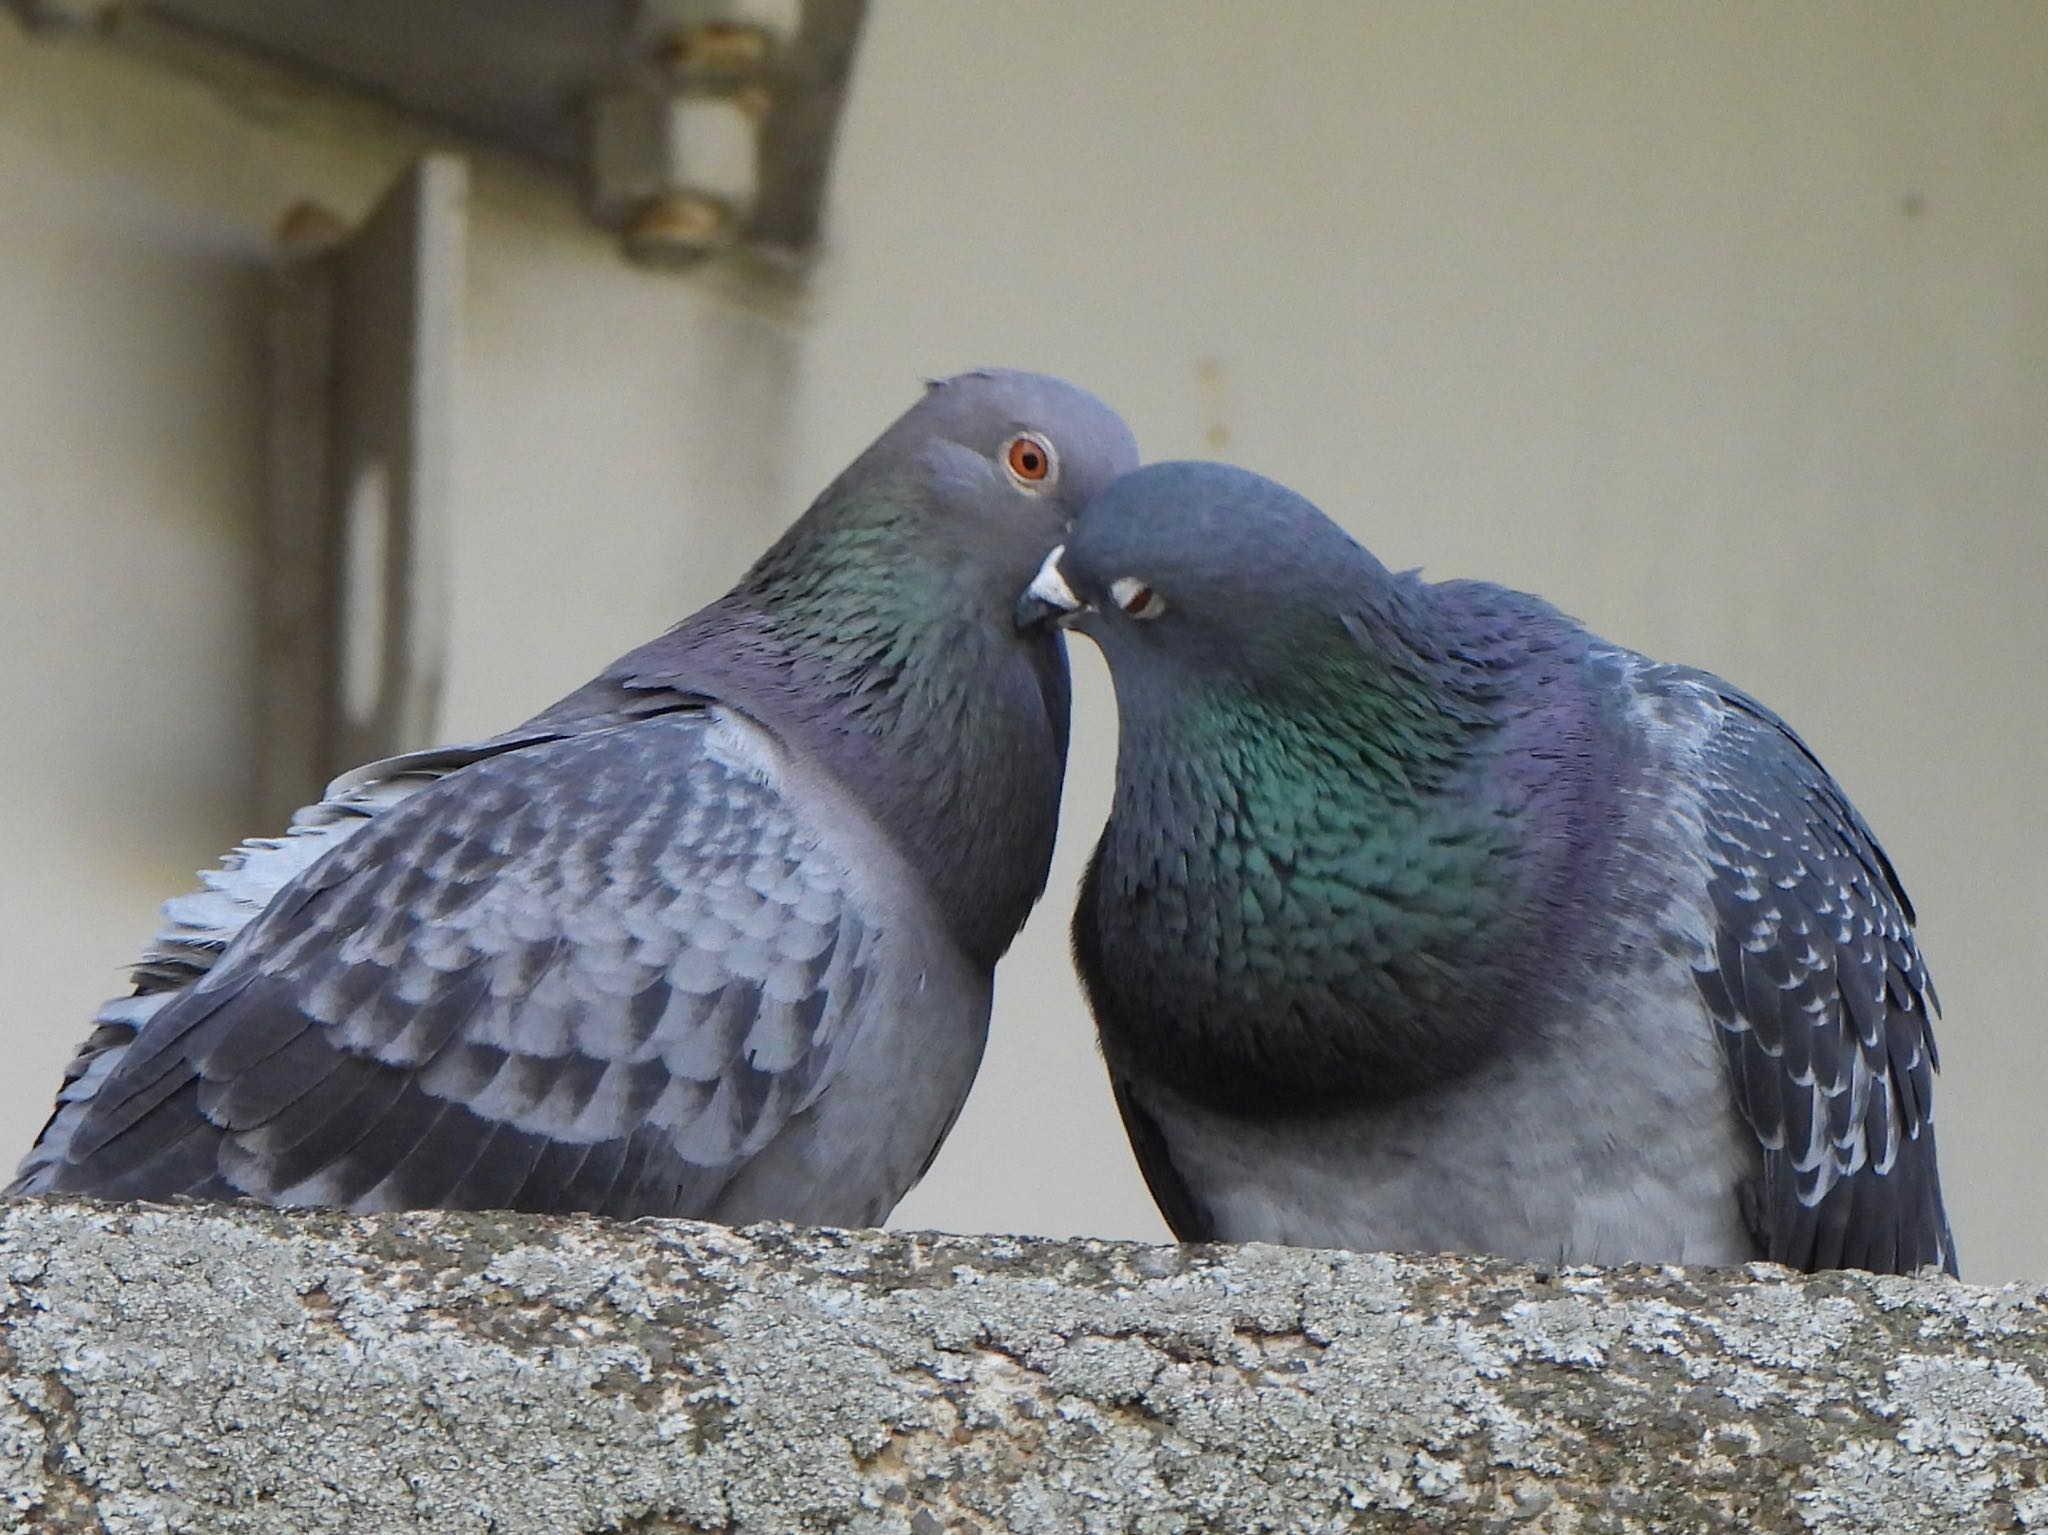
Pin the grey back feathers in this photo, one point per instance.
(689, 942)
(1426, 919)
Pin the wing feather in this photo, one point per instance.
(597, 971)
(1824, 1005)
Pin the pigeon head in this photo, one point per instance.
(978, 479)
(1204, 574)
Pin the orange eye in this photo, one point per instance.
(1029, 458)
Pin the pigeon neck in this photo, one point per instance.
(1326, 897)
(868, 654)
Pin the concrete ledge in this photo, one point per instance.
(248, 1370)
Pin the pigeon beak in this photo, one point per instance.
(1048, 596)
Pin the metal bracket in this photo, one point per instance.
(713, 133)
(690, 125)
(365, 338)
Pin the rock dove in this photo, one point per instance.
(712, 937)
(1427, 920)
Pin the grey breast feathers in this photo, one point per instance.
(592, 972)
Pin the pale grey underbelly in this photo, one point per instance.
(1619, 1142)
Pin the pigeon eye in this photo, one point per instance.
(1029, 459)
(1136, 598)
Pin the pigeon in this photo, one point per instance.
(711, 937)
(1427, 920)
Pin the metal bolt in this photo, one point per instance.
(679, 228)
(308, 229)
(716, 49)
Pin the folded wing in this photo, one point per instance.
(595, 972)
(1824, 1005)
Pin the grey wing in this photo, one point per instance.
(1185, 1214)
(1824, 1005)
(200, 925)
(592, 973)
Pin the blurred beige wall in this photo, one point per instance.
(1726, 327)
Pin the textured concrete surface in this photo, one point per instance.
(247, 1370)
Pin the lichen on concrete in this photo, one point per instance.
(244, 1369)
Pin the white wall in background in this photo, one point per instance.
(1724, 327)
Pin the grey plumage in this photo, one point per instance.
(1824, 1005)
(713, 936)
(1426, 919)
